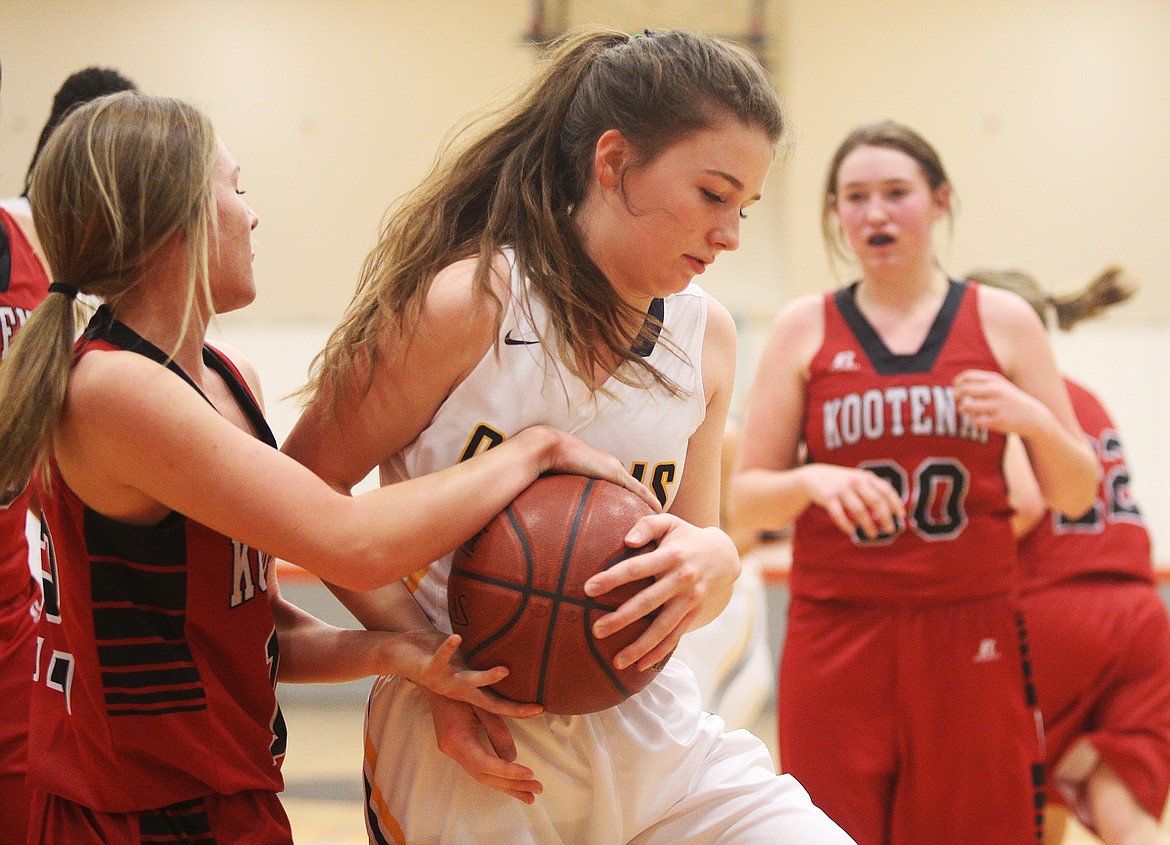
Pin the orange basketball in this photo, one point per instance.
(516, 595)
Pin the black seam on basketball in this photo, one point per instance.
(525, 593)
(533, 592)
(599, 658)
(550, 632)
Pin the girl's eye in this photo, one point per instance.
(240, 192)
(711, 195)
(742, 214)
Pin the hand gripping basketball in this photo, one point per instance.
(516, 595)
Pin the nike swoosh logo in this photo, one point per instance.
(512, 341)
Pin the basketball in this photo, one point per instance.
(516, 595)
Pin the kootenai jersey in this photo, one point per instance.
(23, 286)
(895, 415)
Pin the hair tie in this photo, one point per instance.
(62, 287)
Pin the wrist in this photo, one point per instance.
(541, 443)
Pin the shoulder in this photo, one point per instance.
(801, 321)
(116, 380)
(720, 326)
(454, 302)
(21, 214)
(1003, 309)
(1014, 331)
(243, 366)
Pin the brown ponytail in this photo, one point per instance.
(516, 182)
(1108, 288)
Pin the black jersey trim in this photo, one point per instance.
(651, 328)
(105, 326)
(885, 362)
(5, 259)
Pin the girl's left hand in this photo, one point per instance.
(991, 401)
(432, 660)
(691, 567)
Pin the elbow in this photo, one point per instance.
(740, 505)
(361, 566)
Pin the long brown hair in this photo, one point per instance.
(116, 181)
(517, 181)
(1108, 288)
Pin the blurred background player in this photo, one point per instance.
(878, 421)
(1097, 626)
(24, 283)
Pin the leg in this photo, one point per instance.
(1055, 824)
(737, 799)
(837, 714)
(17, 657)
(970, 757)
(1116, 814)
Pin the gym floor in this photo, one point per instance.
(322, 770)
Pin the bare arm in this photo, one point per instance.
(695, 564)
(135, 441)
(1028, 506)
(1032, 402)
(770, 487)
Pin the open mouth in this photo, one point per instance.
(880, 240)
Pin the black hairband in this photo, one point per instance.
(62, 287)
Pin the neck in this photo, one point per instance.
(154, 307)
(902, 291)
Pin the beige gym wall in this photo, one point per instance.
(1051, 115)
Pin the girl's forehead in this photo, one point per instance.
(868, 162)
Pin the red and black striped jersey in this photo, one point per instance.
(23, 286)
(157, 651)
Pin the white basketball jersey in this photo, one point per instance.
(520, 383)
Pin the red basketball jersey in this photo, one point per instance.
(1110, 539)
(895, 415)
(158, 655)
(23, 285)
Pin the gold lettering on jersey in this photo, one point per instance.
(483, 438)
(660, 479)
(918, 410)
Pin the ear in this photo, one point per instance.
(611, 156)
(942, 199)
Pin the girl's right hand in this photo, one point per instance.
(459, 731)
(856, 499)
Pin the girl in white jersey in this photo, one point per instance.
(543, 273)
